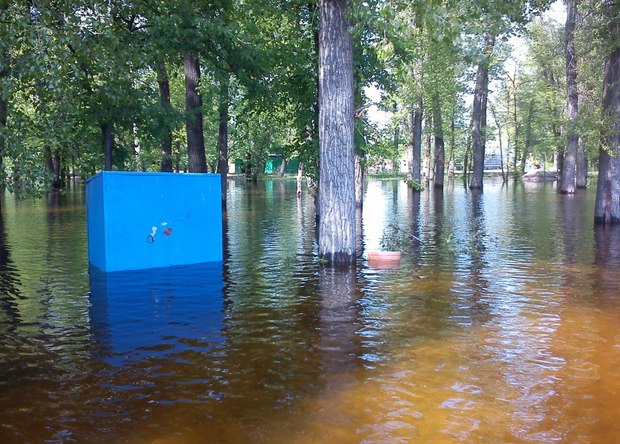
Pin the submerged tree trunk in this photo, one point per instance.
(196, 159)
(414, 144)
(336, 136)
(164, 100)
(572, 102)
(479, 113)
(108, 144)
(440, 155)
(222, 140)
(607, 206)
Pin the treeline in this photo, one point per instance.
(186, 85)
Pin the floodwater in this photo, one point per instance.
(501, 324)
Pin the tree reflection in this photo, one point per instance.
(339, 344)
(607, 259)
(9, 280)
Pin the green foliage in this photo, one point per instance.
(67, 68)
(414, 185)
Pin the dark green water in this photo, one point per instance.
(501, 324)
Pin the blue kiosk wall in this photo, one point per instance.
(149, 220)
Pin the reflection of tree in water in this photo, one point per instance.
(339, 344)
(607, 260)
(9, 281)
(478, 282)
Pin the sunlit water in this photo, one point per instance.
(501, 324)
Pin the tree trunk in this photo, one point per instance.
(414, 145)
(222, 141)
(359, 180)
(336, 136)
(479, 113)
(164, 100)
(572, 102)
(527, 142)
(3, 120)
(53, 166)
(429, 172)
(108, 144)
(396, 139)
(196, 159)
(500, 141)
(440, 155)
(582, 166)
(300, 176)
(607, 205)
(451, 162)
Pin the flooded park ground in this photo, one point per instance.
(501, 324)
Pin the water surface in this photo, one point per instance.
(500, 325)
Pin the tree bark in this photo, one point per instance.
(527, 140)
(414, 144)
(581, 167)
(196, 159)
(164, 100)
(479, 113)
(336, 136)
(222, 141)
(440, 155)
(429, 172)
(572, 102)
(607, 205)
(359, 180)
(53, 165)
(108, 144)
(3, 120)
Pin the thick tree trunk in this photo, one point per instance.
(108, 144)
(581, 167)
(572, 102)
(222, 141)
(414, 144)
(440, 155)
(164, 101)
(607, 206)
(196, 159)
(336, 137)
(479, 114)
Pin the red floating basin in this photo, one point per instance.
(384, 259)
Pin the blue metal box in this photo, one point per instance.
(146, 220)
